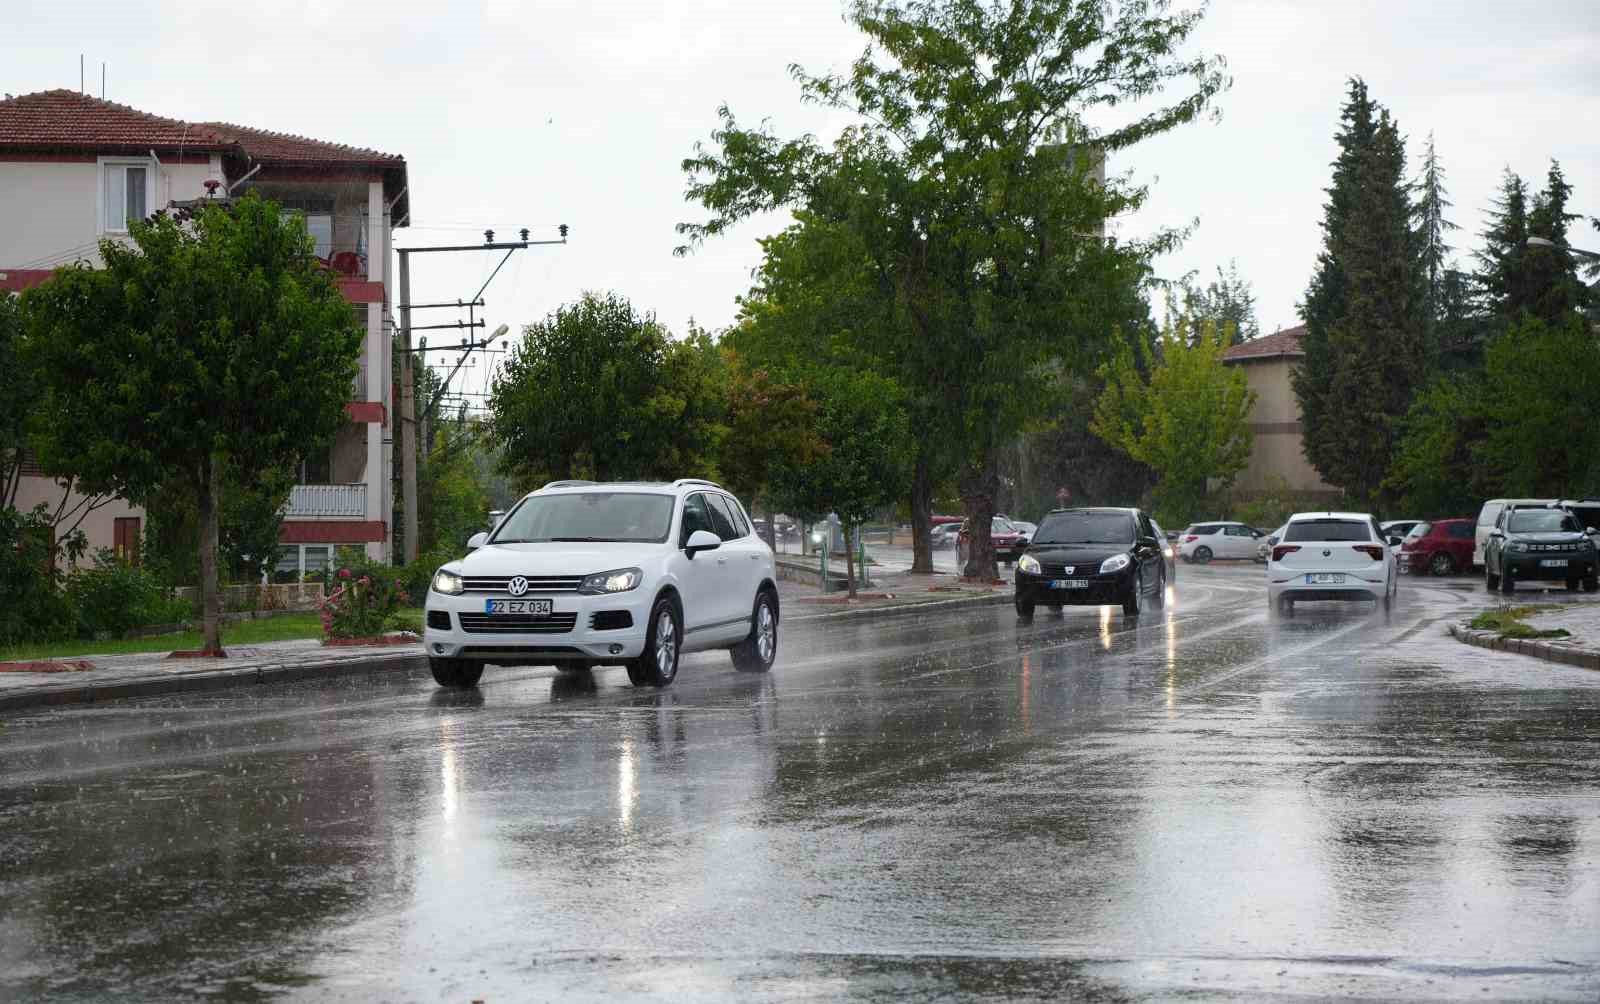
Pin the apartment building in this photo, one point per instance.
(1276, 454)
(76, 169)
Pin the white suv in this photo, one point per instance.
(579, 574)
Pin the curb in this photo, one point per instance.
(1550, 650)
(207, 680)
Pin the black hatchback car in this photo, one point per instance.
(1090, 557)
(1540, 543)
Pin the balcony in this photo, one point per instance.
(327, 502)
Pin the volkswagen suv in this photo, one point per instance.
(580, 574)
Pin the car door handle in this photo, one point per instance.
(755, 557)
(722, 561)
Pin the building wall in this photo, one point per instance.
(1275, 423)
(98, 526)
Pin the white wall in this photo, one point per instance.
(99, 526)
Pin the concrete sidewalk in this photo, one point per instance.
(148, 674)
(1578, 614)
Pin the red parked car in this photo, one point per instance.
(1440, 547)
(1009, 542)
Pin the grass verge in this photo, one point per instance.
(287, 627)
(1508, 623)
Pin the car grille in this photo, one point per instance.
(1056, 569)
(1551, 547)
(536, 583)
(517, 623)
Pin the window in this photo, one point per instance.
(125, 197)
(125, 538)
(1321, 530)
(1086, 527)
(722, 522)
(633, 517)
(1237, 531)
(696, 516)
(1459, 531)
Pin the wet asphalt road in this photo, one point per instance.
(1206, 803)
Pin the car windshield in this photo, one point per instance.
(1086, 528)
(1543, 521)
(1328, 530)
(1420, 530)
(633, 517)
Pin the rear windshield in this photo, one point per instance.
(590, 516)
(1086, 528)
(1328, 529)
(1543, 521)
(1420, 530)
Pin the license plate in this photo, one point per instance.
(1069, 583)
(536, 608)
(1324, 578)
(1553, 563)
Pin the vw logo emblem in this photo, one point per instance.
(1325, 554)
(517, 586)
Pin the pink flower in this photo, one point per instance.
(344, 573)
(365, 581)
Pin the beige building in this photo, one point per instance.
(1275, 420)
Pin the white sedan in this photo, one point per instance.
(1331, 556)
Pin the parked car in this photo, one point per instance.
(1588, 512)
(1092, 557)
(782, 531)
(1169, 549)
(1395, 530)
(1009, 542)
(1264, 549)
(1438, 547)
(1024, 527)
(1486, 520)
(1539, 543)
(580, 574)
(944, 535)
(1204, 541)
(1330, 556)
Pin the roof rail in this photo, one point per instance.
(695, 481)
(567, 484)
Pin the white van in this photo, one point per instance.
(1486, 517)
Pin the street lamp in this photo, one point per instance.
(1542, 242)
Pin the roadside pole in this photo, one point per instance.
(408, 413)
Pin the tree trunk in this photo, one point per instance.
(921, 517)
(207, 504)
(850, 558)
(978, 486)
(772, 527)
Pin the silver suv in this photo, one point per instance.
(580, 574)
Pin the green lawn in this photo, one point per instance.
(253, 632)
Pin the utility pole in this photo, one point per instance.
(408, 404)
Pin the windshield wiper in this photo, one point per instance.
(584, 540)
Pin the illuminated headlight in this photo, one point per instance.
(1028, 563)
(618, 581)
(1516, 545)
(1115, 563)
(448, 583)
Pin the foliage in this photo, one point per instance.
(1518, 277)
(416, 578)
(17, 391)
(1365, 308)
(1179, 409)
(1228, 301)
(451, 502)
(1435, 469)
(598, 390)
(365, 600)
(771, 422)
(34, 607)
(1266, 509)
(1432, 231)
(195, 343)
(962, 207)
(112, 597)
(1508, 622)
(1538, 406)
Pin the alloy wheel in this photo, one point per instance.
(766, 632)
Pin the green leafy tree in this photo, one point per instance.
(1364, 309)
(972, 197)
(16, 390)
(1228, 301)
(1177, 408)
(452, 502)
(198, 343)
(771, 422)
(598, 390)
(1435, 468)
(1502, 275)
(1538, 406)
(861, 419)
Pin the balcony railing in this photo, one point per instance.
(327, 502)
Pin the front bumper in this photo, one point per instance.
(1527, 567)
(572, 632)
(1101, 589)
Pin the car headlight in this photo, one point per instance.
(617, 581)
(1516, 545)
(1115, 563)
(1586, 544)
(448, 583)
(1028, 563)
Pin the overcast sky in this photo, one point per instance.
(536, 112)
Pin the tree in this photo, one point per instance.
(451, 501)
(1365, 309)
(1432, 231)
(1228, 301)
(868, 451)
(598, 390)
(1179, 409)
(201, 342)
(16, 390)
(1538, 406)
(771, 423)
(974, 199)
(1435, 468)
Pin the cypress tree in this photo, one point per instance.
(1432, 231)
(1501, 276)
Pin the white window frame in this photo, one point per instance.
(105, 164)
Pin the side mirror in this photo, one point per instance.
(1272, 541)
(1496, 533)
(701, 540)
(1590, 530)
(1393, 540)
(1148, 542)
(476, 541)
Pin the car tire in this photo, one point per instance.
(1591, 584)
(1202, 555)
(759, 651)
(657, 665)
(1491, 581)
(1285, 606)
(1133, 603)
(456, 674)
(1442, 564)
(1159, 597)
(1572, 585)
(569, 667)
(1506, 584)
(1024, 608)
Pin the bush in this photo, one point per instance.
(364, 600)
(34, 608)
(419, 574)
(112, 598)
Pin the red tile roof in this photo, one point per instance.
(1284, 343)
(66, 120)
